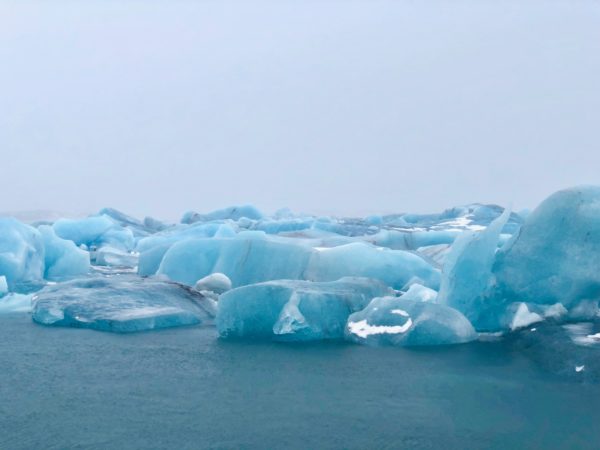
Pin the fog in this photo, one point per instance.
(339, 107)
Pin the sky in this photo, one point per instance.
(329, 107)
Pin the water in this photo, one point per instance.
(182, 388)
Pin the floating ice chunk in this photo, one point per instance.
(215, 282)
(283, 225)
(63, 258)
(3, 286)
(136, 226)
(294, 310)
(153, 248)
(420, 293)
(15, 303)
(401, 322)
(555, 311)
(374, 220)
(253, 258)
(233, 213)
(154, 225)
(467, 272)
(21, 253)
(245, 260)
(394, 267)
(110, 256)
(95, 231)
(556, 255)
(523, 318)
(120, 304)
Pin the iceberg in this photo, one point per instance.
(467, 273)
(63, 258)
(292, 310)
(252, 257)
(556, 254)
(403, 279)
(95, 231)
(15, 303)
(217, 283)
(120, 304)
(110, 256)
(398, 321)
(21, 254)
(420, 293)
(231, 213)
(152, 249)
(393, 267)
(3, 286)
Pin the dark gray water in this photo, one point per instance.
(184, 389)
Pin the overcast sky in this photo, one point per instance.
(346, 107)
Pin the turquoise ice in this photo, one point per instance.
(291, 310)
(401, 322)
(63, 258)
(21, 253)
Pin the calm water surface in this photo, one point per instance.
(185, 389)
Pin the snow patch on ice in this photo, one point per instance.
(364, 330)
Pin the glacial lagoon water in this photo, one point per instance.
(183, 388)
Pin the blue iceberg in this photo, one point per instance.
(231, 213)
(291, 310)
(403, 279)
(467, 273)
(21, 254)
(252, 257)
(400, 322)
(63, 258)
(15, 303)
(556, 255)
(95, 231)
(121, 304)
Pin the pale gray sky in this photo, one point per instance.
(347, 107)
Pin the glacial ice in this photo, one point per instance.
(556, 255)
(215, 282)
(15, 303)
(3, 286)
(153, 248)
(401, 322)
(420, 293)
(110, 256)
(95, 231)
(63, 258)
(293, 310)
(120, 304)
(254, 258)
(403, 279)
(232, 213)
(21, 253)
(467, 272)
